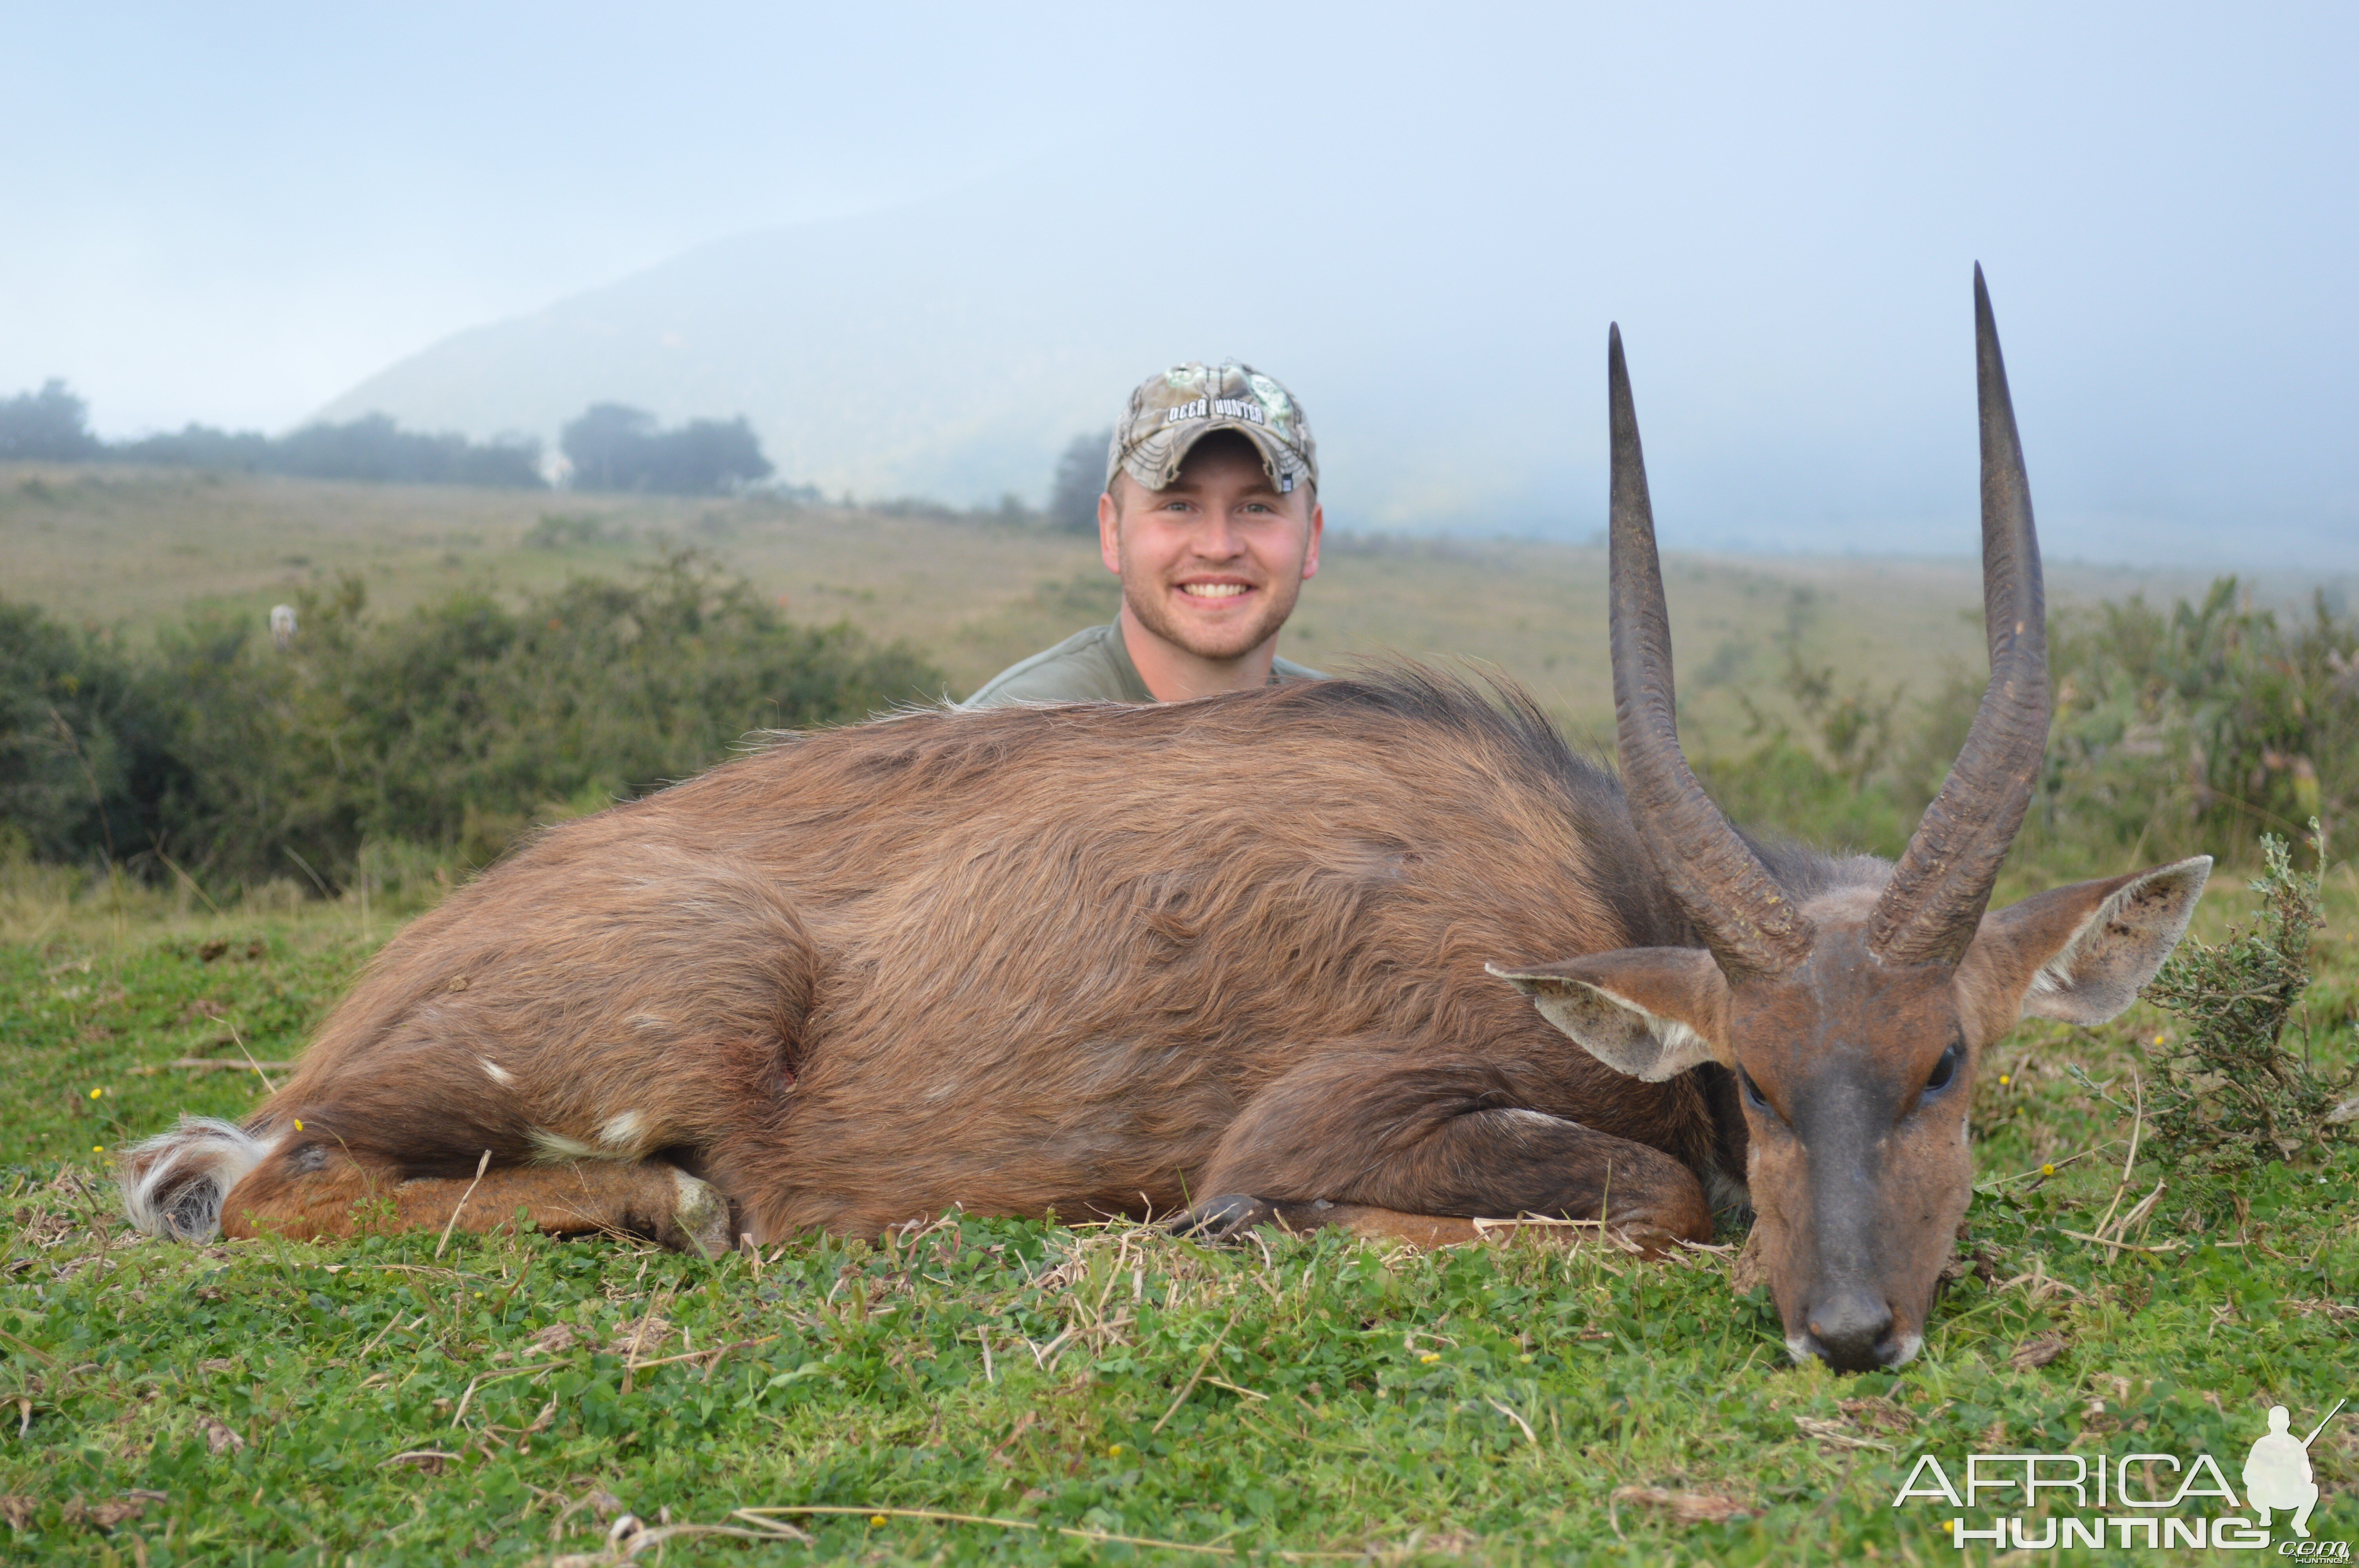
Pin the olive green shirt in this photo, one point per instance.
(1091, 667)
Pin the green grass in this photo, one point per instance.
(282, 1403)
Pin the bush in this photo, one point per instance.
(2227, 1095)
(2179, 732)
(79, 742)
(2209, 725)
(454, 728)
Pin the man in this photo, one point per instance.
(1211, 515)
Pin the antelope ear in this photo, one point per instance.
(1652, 1012)
(2080, 953)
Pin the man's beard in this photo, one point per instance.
(1225, 643)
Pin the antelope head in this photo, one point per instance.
(1855, 1010)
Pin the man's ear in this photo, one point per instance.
(1652, 1012)
(1110, 527)
(2080, 953)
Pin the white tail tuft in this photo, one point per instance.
(173, 1183)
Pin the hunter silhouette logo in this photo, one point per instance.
(2277, 1473)
(2135, 1505)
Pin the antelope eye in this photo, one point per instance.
(1752, 1095)
(1945, 1068)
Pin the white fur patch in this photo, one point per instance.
(173, 1183)
(555, 1148)
(648, 1020)
(496, 1073)
(1680, 1040)
(621, 1133)
(1540, 1118)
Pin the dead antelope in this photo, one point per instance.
(1226, 956)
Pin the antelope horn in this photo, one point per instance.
(1742, 915)
(1931, 907)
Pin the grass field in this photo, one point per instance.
(133, 547)
(1074, 1394)
(500, 1399)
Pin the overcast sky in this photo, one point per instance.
(233, 213)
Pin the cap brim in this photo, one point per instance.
(1155, 462)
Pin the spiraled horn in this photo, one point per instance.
(1929, 910)
(1738, 909)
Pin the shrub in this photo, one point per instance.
(2205, 726)
(2178, 732)
(79, 741)
(2228, 1095)
(454, 728)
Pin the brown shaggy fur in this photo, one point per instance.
(1095, 959)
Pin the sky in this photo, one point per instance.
(233, 214)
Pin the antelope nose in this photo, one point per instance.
(1851, 1330)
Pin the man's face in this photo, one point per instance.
(1214, 563)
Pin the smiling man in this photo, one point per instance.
(1211, 515)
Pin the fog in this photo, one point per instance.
(922, 249)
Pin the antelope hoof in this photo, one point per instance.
(699, 1221)
(1224, 1219)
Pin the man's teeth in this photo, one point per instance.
(1214, 589)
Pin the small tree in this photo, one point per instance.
(604, 445)
(1081, 479)
(51, 424)
(613, 447)
(708, 457)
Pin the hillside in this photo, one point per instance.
(951, 347)
(108, 545)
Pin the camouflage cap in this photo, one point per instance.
(1174, 409)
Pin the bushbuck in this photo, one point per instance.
(1258, 957)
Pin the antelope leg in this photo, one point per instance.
(312, 1197)
(1416, 1143)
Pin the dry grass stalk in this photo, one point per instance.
(2036, 1352)
(1685, 1507)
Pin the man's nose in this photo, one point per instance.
(1219, 538)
